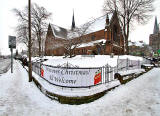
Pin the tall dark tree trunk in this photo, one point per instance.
(127, 34)
(70, 53)
(39, 49)
(127, 47)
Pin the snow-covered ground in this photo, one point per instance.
(83, 61)
(4, 63)
(139, 97)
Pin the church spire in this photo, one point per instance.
(73, 22)
(107, 20)
(156, 27)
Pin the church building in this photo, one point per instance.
(102, 36)
(154, 39)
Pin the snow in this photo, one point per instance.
(139, 97)
(92, 43)
(4, 64)
(98, 60)
(57, 28)
(98, 24)
(59, 32)
(137, 43)
(140, 43)
(134, 71)
(148, 65)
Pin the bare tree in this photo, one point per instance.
(39, 18)
(22, 34)
(71, 42)
(76, 37)
(128, 12)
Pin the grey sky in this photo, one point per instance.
(62, 11)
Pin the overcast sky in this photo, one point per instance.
(62, 11)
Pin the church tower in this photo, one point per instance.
(73, 22)
(156, 27)
(107, 20)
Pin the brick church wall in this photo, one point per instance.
(114, 43)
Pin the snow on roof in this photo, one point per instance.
(92, 26)
(92, 43)
(59, 32)
(73, 34)
(98, 23)
(137, 43)
(89, 27)
(140, 43)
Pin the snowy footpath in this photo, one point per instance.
(139, 97)
(4, 65)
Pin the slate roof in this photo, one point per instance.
(98, 23)
(95, 25)
(58, 31)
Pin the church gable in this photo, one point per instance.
(98, 29)
(116, 29)
(49, 32)
(55, 37)
(59, 32)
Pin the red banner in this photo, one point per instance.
(42, 72)
(97, 77)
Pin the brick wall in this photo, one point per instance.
(112, 34)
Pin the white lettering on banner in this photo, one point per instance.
(71, 77)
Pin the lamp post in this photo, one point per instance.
(29, 42)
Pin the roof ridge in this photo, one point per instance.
(58, 26)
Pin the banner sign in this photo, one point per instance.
(71, 77)
(12, 42)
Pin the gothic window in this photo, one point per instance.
(116, 37)
(115, 33)
(93, 37)
(83, 51)
(98, 49)
(78, 51)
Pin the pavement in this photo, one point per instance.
(4, 65)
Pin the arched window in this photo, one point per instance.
(98, 49)
(115, 33)
(93, 37)
(116, 36)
